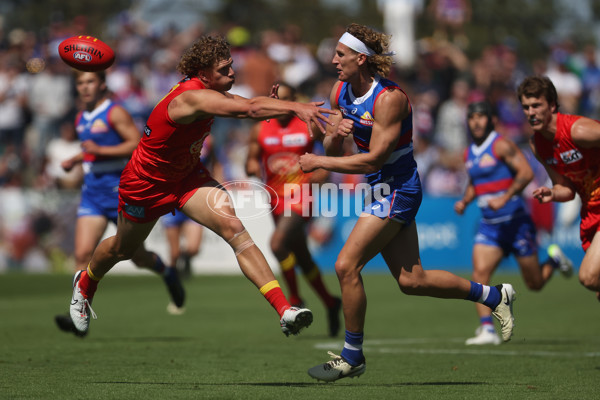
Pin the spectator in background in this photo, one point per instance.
(13, 101)
(66, 146)
(50, 99)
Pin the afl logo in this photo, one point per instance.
(250, 198)
(82, 56)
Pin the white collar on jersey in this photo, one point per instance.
(477, 150)
(364, 97)
(92, 114)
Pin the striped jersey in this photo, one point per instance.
(491, 177)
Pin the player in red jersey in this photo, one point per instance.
(274, 149)
(165, 173)
(569, 148)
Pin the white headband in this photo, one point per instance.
(358, 45)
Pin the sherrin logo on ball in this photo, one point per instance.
(86, 53)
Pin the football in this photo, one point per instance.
(86, 53)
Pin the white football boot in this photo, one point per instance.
(484, 335)
(294, 319)
(80, 308)
(504, 310)
(335, 369)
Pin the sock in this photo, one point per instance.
(88, 283)
(352, 351)
(289, 275)
(158, 266)
(554, 263)
(315, 280)
(275, 297)
(487, 323)
(487, 295)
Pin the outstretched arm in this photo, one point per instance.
(198, 104)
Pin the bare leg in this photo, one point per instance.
(485, 261)
(88, 232)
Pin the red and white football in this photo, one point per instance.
(86, 53)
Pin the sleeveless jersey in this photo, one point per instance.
(100, 173)
(581, 166)
(281, 147)
(168, 151)
(491, 177)
(360, 110)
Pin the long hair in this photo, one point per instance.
(376, 41)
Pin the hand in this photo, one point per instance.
(67, 165)
(274, 90)
(308, 162)
(311, 112)
(460, 206)
(543, 194)
(345, 128)
(90, 147)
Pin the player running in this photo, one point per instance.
(108, 137)
(498, 173)
(379, 116)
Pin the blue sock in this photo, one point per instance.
(487, 295)
(159, 267)
(352, 351)
(487, 323)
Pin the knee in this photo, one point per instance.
(589, 280)
(229, 228)
(534, 286)
(83, 257)
(345, 269)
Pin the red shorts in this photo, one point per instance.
(142, 200)
(590, 224)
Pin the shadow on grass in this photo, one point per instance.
(147, 339)
(297, 384)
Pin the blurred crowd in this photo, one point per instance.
(38, 103)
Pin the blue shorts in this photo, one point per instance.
(103, 203)
(516, 236)
(170, 220)
(395, 199)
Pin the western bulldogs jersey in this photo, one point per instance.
(100, 172)
(491, 177)
(360, 110)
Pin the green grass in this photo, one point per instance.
(228, 344)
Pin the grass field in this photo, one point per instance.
(228, 344)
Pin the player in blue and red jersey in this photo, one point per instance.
(273, 152)
(379, 116)
(498, 173)
(568, 146)
(165, 173)
(108, 136)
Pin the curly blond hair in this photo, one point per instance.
(376, 41)
(205, 53)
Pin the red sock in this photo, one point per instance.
(87, 285)
(315, 280)
(292, 284)
(275, 297)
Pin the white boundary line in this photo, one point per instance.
(383, 346)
